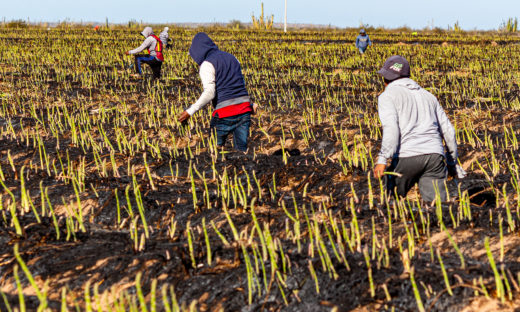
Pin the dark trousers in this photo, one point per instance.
(238, 125)
(150, 60)
(428, 170)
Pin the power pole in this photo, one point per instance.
(285, 18)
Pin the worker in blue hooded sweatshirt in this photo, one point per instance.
(363, 41)
(224, 87)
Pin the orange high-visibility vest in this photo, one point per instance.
(158, 48)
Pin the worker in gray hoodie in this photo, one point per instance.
(414, 128)
(154, 58)
(165, 38)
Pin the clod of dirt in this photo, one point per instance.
(292, 152)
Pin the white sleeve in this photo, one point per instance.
(146, 44)
(391, 133)
(207, 76)
(448, 134)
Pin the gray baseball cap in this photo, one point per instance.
(362, 31)
(395, 67)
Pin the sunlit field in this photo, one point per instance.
(107, 203)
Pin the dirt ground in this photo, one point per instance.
(103, 257)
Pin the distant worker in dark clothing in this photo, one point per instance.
(153, 45)
(414, 128)
(165, 38)
(363, 41)
(224, 87)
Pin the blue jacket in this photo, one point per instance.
(363, 41)
(229, 81)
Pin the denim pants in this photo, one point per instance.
(150, 60)
(238, 125)
(428, 170)
(362, 50)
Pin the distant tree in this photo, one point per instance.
(235, 24)
(456, 27)
(510, 26)
(261, 22)
(16, 24)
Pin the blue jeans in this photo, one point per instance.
(362, 49)
(238, 124)
(150, 60)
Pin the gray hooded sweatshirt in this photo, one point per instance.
(148, 43)
(164, 36)
(414, 123)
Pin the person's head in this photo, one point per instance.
(362, 32)
(395, 67)
(147, 31)
(201, 47)
(166, 29)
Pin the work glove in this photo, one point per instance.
(456, 171)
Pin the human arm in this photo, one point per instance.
(448, 133)
(391, 134)
(145, 45)
(357, 42)
(207, 76)
(369, 41)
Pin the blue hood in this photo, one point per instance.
(201, 47)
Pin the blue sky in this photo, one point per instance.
(471, 14)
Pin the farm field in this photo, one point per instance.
(109, 204)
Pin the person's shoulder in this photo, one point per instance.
(392, 91)
(385, 95)
(429, 94)
(206, 65)
(222, 56)
(227, 54)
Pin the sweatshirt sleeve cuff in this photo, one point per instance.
(190, 111)
(381, 160)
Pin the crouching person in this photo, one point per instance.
(165, 38)
(414, 127)
(153, 45)
(224, 86)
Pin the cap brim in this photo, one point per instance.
(389, 75)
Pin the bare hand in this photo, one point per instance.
(184, 116)
(255, 108)
(127, 53)
(379, 170)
